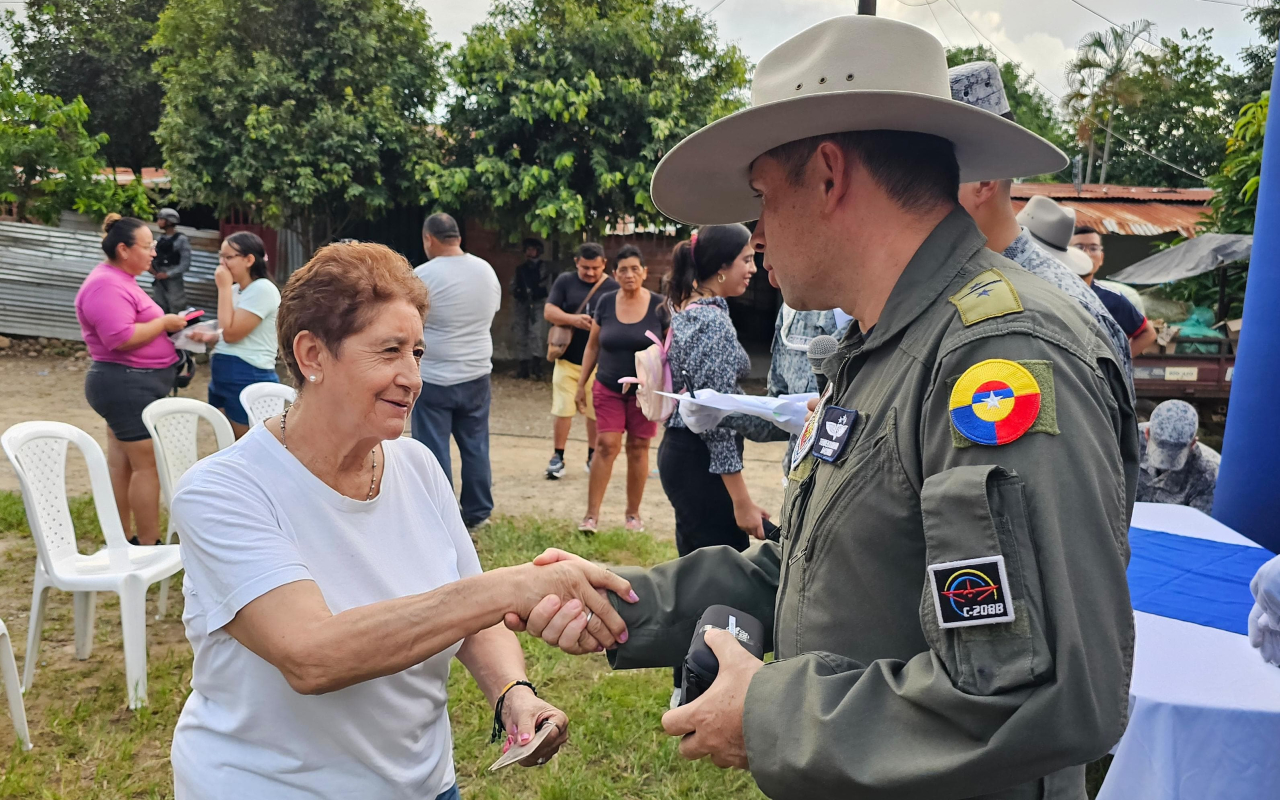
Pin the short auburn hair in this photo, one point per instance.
(339, 291)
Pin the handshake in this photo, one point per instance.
(564, 601)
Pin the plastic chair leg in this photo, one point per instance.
(85, 606)
(9, 673)
(133, 622)
(162, 604)
(35, 628)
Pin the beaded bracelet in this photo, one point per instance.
(499, 727)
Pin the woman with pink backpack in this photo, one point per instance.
(626, 322)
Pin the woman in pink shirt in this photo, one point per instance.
(134, 363)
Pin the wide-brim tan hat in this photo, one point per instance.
(852, 73)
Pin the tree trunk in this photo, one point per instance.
(1106, 148)
(1088, 170)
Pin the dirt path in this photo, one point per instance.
(53, 389)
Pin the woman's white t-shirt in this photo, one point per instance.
(252, 518)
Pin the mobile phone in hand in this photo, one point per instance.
(191, 314)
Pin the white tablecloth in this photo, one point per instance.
(1204, 709)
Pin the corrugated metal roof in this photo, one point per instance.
(1133, 217)
(1110, 191)
(41, 269)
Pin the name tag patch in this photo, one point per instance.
(971, 592)
(809, 434)
(833, 434)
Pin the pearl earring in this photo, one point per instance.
(312, 378)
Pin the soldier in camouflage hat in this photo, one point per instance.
(1176, 468)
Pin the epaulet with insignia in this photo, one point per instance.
(988, 295)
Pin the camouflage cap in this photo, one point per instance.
(979, 84)
(1172, 430)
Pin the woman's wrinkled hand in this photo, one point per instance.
(523, 714)
(568, 580)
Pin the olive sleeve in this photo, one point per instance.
(674, 595)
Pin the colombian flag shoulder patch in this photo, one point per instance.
(996, 401)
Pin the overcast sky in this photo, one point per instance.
(1042, 34)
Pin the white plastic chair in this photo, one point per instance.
(9, 673)
(174, 423)
(38, 452)
(262, 401)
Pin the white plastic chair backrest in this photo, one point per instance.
(262, 401)
(38, 453)
(174, 423)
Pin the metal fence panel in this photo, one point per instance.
(41, 269)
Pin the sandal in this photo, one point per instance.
(634, 524)
(588, 525)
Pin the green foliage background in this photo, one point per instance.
(564, 107)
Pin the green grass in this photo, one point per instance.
(88, 745)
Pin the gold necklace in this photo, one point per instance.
(373, 475)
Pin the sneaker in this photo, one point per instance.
(634, 524)
(484, 523)
(555, 468)
(587, 467)
(588, 525)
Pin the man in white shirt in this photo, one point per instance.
(465, 295)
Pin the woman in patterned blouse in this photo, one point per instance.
(702, 473)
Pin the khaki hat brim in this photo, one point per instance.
(704, 179)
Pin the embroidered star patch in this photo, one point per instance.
(996, 401)
(988, 295)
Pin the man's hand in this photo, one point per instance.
(712, 724)
(162, 276)
(582, 321)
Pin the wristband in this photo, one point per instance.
(499, 727)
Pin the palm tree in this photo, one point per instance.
(1100, 77)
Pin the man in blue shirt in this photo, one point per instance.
(1135, 325)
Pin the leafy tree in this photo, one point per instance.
(1179, 106)
(564, 107)
(1234, 206)
(1031, 108)
(56, 166)
(1260, 59)
(1100, 80)
(302, 114)
(95, 49)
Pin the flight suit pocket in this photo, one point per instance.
(982, 567)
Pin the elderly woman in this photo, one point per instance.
(330, 580)
(134, 363)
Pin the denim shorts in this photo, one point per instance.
(228, 376)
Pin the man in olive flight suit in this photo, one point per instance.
(947, 606)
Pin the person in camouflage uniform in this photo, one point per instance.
(171, 263)
(529, 287)
(1176, 468)
(979, 84)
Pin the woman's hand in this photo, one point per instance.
(750, 518)
(569, 578)
(523, 713)
(222, 278)
(580, 399)
(173, 323)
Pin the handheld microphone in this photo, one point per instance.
(701, 665)
(819, 350)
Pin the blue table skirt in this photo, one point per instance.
(1193, 580)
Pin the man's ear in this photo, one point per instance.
(986, 191)
(831, 169)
